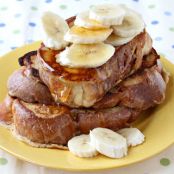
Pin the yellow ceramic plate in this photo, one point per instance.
(158, 127)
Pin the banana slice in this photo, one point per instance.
(132, 25)
(54, 44)
(85, 55)
(108, 142)
(87, 36)
(80, 146)
(132, 135)
(117, 40)
(107, 14)
(82, 20)
(55, 28)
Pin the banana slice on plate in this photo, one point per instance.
(55, 28)
(133, 136)
(85, 55)
(80, 146)
(116, 40)
(107, 14)
(108, 142)
(82, 20)
(132, 25)
(87, 36)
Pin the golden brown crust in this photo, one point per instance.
(143, 90)
(50, 126)
(140, 91)
(112, 118)
(44, 129)
(25, 86)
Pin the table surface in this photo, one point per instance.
(20, 24)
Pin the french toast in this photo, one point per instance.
(53, 98)
(50, 125)
(23, 85)
(43, 124)
(118, 109)
(82, 87)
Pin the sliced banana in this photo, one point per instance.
(82, 20)
(54, 44)
(133, 136)
(107, 14)
(87, 36)
(85, 55)
(117, 40)
(55, 28)
(108, 142)
(132, 25)
(80, 146)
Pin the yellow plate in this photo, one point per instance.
(158, 127)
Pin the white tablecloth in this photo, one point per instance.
(20, 24)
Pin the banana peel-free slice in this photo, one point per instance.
(85, 55)
(83, 35)
(80, 146)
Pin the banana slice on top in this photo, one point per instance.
(108, 142)
(133, 136)
(85, 55)
(132, 25)
(87, 36)
(107, 14)
(116, 40)
(55, 28)
(82, 20)
(80, 146)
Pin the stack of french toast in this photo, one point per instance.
(92, 71)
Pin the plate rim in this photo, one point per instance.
(79, 170)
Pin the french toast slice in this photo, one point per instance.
(52, 126)
(43, 124)
(137, 83)
(140, 91)
(82, 87)
(24, 85)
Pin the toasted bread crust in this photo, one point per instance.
(144, 90)
(43, 129)
(23, 85)
(112, 118)
(46, 126)
(141, 91)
